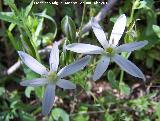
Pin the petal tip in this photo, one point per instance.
(74, 87)
(144, 78)
(45, 113)
(123, 17)
(23, 83)
(146, 42)
(19, 53)
(94, 78)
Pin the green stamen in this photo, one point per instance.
(52, 77)
(109, 50)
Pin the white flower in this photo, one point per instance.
(110, 50)
(50, 78)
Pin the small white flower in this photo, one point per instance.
(110, 50)
(50, 78)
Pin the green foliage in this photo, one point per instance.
(124, 89)
(112, 79)
(59, 115)
(108, 117)
(158, 111)
(69, 28)
(156, 29)
(82, 117)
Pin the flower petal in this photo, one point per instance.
(74, 67)
(118, 30)
(66, 84)
(99, 33)
(128, 66)
(84, 48)
(54, 57)
(32, 63)
(131, 46)
(48, 99)
(101, 67)
(35, 82)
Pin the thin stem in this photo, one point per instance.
(132, 12)
(131, 17)
(89, 113)
(121, 76)
(80, 29)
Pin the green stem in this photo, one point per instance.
(132, 12)
(121, 76)
(80, 29)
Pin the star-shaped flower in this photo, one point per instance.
(110, 50)
(50, 78)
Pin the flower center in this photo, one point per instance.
(52, 77)
(109, 50)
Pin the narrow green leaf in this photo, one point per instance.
(28, 8)
(39, 28)
(12, 40)
(11, 27)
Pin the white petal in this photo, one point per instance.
(35, 82)
(84, 48)
(32, 63)
(118, 30)
(131, 46)
(66, 84)
(54, 57)
(99, 33)
(101, 68)
(48, 99)
(74, 67)
(128, 66)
